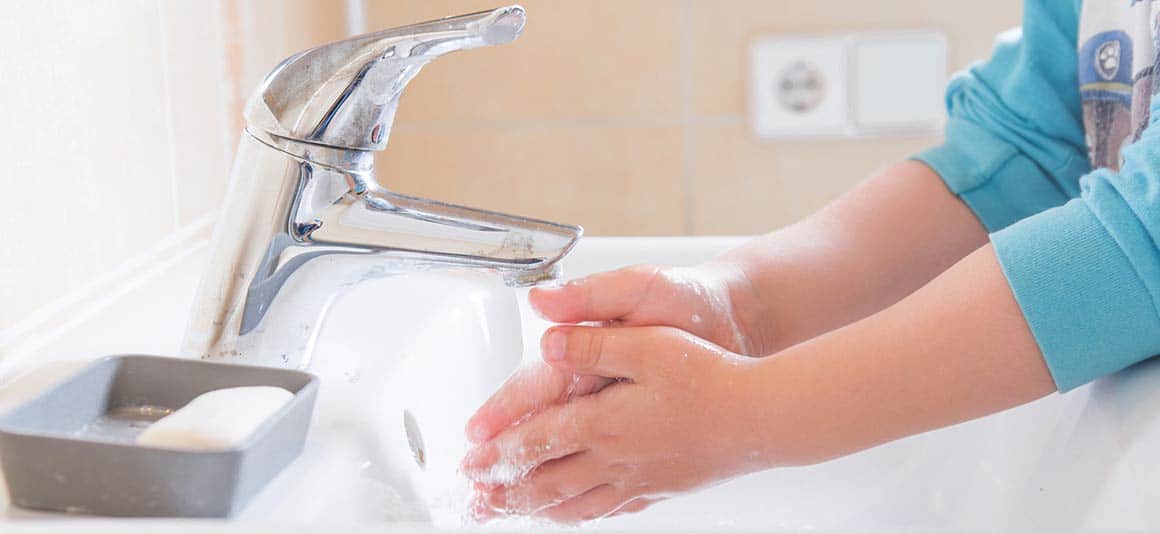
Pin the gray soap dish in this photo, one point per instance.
(72, 449)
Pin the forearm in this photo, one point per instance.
(866, 250)
(955, 350)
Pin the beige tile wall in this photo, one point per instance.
(628, 116)
(114, 138)
(87, 144)
(268, 31)
(202, 97)
(120, 125)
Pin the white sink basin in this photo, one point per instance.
(437, 345)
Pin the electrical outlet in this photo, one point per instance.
(846, 85)
(798, 86)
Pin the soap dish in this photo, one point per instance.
(72, 448)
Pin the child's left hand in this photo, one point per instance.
(670, 425)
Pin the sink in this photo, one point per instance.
(431, 344)
(443, 341)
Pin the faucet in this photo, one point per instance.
(305, 217)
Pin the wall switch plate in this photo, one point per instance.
(898, 82)
(846, 85)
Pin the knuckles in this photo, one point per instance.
(645, 271)
(552, 495)
(592, 343)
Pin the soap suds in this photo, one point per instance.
(714, 294)
(504, 473)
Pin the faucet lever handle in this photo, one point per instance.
(345, 94)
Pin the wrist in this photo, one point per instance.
(783, 410)
(744, 433)
(747, 307)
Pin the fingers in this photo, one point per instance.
(528, 390)
(556, 432)
(599, 297)
(608, 351)
(549, 485)
(594, 504)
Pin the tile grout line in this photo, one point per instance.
(231, 46)
(686, 62)
(39, 327)
(171, 132)
(602, 122)
(86, 311)
(227, 96)
(356, 17)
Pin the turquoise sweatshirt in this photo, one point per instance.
(1079, 247)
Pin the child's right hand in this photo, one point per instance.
(699, 300)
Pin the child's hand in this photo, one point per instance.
(528, 390)
(670, 424)
(698, 300)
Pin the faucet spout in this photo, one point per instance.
(305, 217)
(524, 250)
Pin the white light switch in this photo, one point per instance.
(898, 81)
(846, 85)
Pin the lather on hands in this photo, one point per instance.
(709, 302)
(605, 453)
(666, 427)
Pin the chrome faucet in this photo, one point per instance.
(305, 217)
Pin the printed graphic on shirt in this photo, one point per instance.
(1156, 61)
(1117, 62)
(1143, 85)
(1106, 87)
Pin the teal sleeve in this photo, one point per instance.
(1014, 136)
(1082, 256)
(1087, 274)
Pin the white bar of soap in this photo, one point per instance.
(216, 420)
